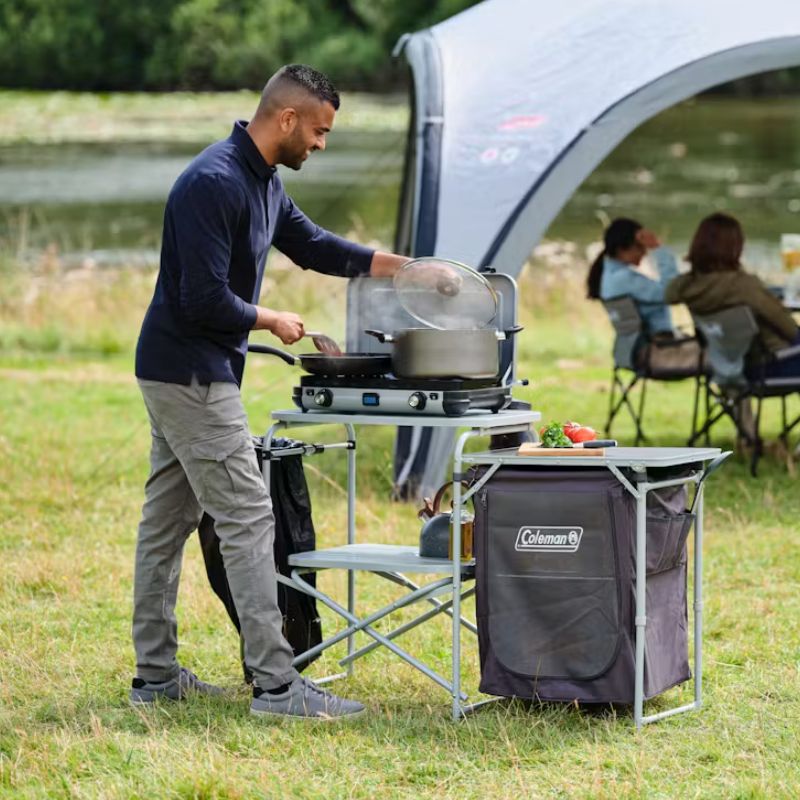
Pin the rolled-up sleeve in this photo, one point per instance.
(620, 279)
(204, 220)
(312, 247)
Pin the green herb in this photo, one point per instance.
(553, 436)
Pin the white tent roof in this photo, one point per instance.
(517, 101)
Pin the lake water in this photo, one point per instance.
(105, 202)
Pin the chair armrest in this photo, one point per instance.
(682, 332)
(786, 352)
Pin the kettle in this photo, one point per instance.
(436, 535)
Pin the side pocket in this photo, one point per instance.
(666, 540)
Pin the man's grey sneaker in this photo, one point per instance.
(180, 687)
(304, 700)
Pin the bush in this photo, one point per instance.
(202, 44)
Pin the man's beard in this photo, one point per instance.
(293, 153)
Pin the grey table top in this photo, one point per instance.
(374, 558)
(618, 456)
(481, 420)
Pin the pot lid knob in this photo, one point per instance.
(445, 294)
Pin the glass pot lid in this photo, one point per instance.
(445, 294)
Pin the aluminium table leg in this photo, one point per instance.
(641, 602)
(351, 533)
(642, 490)
(698, 600)
(456, 561)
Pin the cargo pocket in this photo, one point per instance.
(222, 468)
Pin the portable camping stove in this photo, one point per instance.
(372, 303)
(450, 397)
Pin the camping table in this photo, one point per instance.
(637, 460)
(392, 561)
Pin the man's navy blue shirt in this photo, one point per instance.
(223, 214)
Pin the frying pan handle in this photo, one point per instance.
(381, 336)
(509, 332)
(273, 351)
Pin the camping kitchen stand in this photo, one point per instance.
(390, 562)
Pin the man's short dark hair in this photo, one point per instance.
(313, 81)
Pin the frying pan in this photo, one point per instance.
(346, 365)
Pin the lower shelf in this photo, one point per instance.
(374, 558)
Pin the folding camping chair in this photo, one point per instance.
(728, 337)
(646, 358)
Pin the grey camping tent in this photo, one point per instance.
(515, 102)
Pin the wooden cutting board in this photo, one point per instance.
(535, 449)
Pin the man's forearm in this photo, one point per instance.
(384, 265)
(265, 319)
(286, 325)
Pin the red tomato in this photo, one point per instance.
(583, 434)
(569, 430)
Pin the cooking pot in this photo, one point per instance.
(345, 365)
(454, 353)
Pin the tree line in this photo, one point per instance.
(104, 45)
(113, 45)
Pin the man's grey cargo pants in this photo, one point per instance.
(202, 458)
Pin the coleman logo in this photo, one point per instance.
(551, 539)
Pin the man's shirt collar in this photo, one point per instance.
(242, 140)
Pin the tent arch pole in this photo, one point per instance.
(422, 53)
(530, 219)
(417, 229)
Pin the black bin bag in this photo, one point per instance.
(294, 533)
(556, 584)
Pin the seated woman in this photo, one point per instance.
(615, 273)
(717, 281)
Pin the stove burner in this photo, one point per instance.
(450, 397)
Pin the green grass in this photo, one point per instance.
(188, 117)
(73, 458)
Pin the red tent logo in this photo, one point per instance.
(522, 122)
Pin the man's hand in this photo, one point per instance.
(446, 279)
(647, 239)
(439, 277)
(286, 325)
(384, 265)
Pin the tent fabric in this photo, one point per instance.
(517, 101)
(526, 98)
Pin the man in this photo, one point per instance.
(222, 215)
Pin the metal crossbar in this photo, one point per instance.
(365, 625)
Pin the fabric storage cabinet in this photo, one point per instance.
(555, 572)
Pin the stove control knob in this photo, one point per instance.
(417, 401)
(323, 398)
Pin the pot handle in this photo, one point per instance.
(381, 336)
(426, 512)
(273, 351)
(509, 332)
(437, 500)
